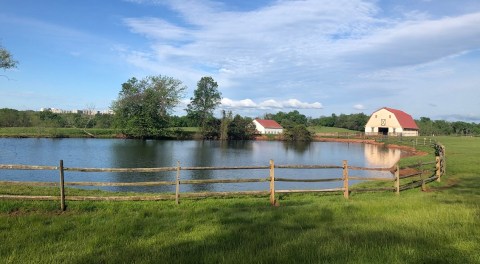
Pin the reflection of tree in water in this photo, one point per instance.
(298, 146)
(143, 154)
(202, 156)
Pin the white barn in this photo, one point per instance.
(265, 126)
(389, 121)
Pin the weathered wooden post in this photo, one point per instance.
(397, 179)
(444, 162)
(177, 184)
(345, 179)
(424, 188)
(62, 186)
(438, 169)
(272, 182)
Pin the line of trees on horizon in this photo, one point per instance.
(235, 123)
(144, 109)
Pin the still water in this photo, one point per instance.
(118, 153)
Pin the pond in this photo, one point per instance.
(120, 153)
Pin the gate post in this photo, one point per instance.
(438, 166)
(272, 183)
(177, 184)
(345, 179)
(62, 187)
(397, 179)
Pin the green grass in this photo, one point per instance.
(438, 226)
(52, 132)
(322, 129)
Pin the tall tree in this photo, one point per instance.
(204, 101)
(6, 59)
(227, 119)
(241, 128)
(143, 106)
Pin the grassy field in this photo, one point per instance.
(322, 129)
(441, 225)
(52, 132)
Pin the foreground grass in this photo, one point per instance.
(439, 226)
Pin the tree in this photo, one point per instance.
(285, 119)
(241, 128)
(204, 101)
(227, 119)
(6, 60)
(297, 133)
(143, 106)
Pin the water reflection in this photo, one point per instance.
(202, 156)
(142, 154)
(381, 156)
(299, 147)
(104, 153)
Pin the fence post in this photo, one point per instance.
(62, 187)
(345, 179)
(177, 184)
(424, 188)
(444, 163)
(272, 183)
(397, 179)
(438, 172)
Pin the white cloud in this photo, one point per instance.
(359, 107)
(341, 50)
(270, 104)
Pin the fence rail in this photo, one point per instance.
(420, 177)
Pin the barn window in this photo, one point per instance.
(389, 116)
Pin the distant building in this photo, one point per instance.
(389, 121)
(265, 126)
(91, 112)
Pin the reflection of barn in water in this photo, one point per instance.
(376, 156)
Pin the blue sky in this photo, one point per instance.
(318, 57)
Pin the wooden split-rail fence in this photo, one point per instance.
(419, 178)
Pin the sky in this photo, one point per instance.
(315, 56)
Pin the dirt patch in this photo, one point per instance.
(408, 171)
(347, 140)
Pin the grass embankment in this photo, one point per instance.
(438, 226)
(322, 129)
(52, 132)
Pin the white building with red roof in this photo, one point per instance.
(389, 121)
(265, 126)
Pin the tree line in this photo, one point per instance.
(430, 127)
(144, 109)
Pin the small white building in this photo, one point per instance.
(389, 121)
(265, 126)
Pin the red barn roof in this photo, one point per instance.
(405, 120)
(269, 123)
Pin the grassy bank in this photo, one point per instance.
(438, 226)
(52, 132)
